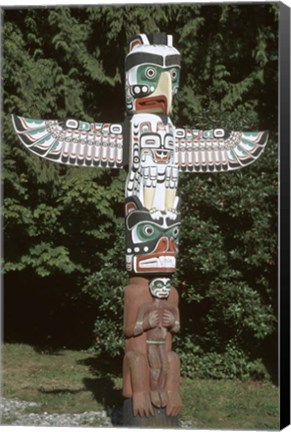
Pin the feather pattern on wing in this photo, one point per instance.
(72, 142)
(217, 150)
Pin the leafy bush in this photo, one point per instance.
(233, 363)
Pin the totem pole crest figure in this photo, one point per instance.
(154, 151)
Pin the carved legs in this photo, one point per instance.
(174, 404)
(159, 366)
(135, 371)
(161, 389)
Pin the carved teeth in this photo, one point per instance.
(161, 155)
(163, 261)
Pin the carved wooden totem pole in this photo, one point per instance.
(154, 151)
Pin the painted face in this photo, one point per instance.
(151, 245)
(152, 75)
(160, 287)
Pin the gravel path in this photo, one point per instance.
(12, 412)
(14, 409)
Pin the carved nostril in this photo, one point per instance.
(166, 244)
(163, 245)
(173, 247)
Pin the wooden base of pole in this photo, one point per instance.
(160, 419)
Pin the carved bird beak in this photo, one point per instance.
(160, 101)
(164, 88)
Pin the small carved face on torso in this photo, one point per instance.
(156, 140)
(160, 288)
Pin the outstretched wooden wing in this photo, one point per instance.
(72, 142)
(217, 149)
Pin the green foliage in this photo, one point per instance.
(69, 62)
(106, 289)
(230, 364)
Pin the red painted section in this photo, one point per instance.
(158, 103)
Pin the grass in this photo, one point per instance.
(68, 381)
(227, 404)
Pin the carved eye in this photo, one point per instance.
(148, 230)
(174, 74)
(136, 159)
(72, 124)
(175, 232)
(150, 72)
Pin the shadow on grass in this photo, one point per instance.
(104, 391)
(103, 387)
(105, 365)
(61, 391)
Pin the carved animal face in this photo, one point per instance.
(151, 244)
(152, 74)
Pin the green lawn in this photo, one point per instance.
(75, 381)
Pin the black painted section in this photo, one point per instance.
(160, 419)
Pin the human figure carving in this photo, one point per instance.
(161, 318)
(151, 372)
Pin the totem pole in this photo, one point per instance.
(153, 151)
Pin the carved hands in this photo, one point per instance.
(170, 321)
(151, 320)
(172, 213)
